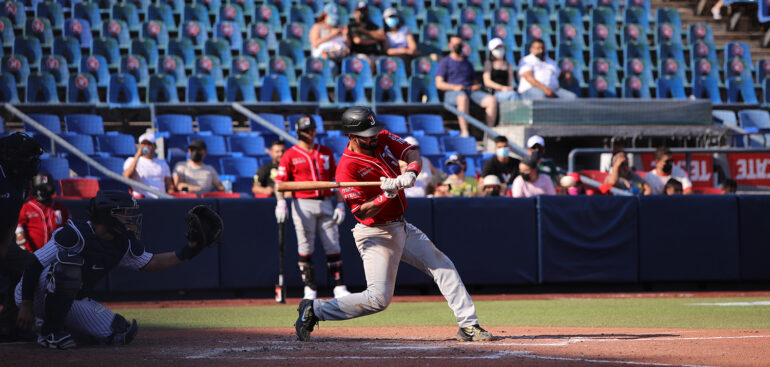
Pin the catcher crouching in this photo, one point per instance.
(57, 282)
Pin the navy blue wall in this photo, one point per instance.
(755, 237)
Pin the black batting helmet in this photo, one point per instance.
(118, 211)
(360, 121)
(20, 155)
(43, 187)
(305, 122)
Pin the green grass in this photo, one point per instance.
(632, 313)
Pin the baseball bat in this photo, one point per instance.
(280, 291)
(319, 185)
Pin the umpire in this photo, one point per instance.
(19, 162)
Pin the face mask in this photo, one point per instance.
(502, 152)
(458, 48)
(196, 157)
(541, 56)
(667, 168)
(492, 193)
(526, 177)
(454, 169)
(498, 53)
(391, 22)
(145, 150)
(331, 21)
(306, 137)
(44, 193)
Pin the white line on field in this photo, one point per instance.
(604, 340)
(728, 304)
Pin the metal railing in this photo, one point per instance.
(687, 151)
(517, 149)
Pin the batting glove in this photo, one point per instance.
(388, 184)
(339, 214)
(281, 211)
(390, 194)
(406, 180)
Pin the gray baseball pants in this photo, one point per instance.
(313, 217)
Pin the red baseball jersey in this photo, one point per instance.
(360, 167)
(298, 164)
(39, 222)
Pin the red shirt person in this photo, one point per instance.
(40, 217)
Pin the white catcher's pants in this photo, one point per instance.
(382, 248)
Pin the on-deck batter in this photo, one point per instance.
(382, 235)
(312, 211)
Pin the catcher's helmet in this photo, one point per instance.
(20, 155)
(360, 121)
(305, 122)
(118, 211)
(43, 187)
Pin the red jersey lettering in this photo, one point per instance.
(356, 167)
(298, 164)
(39, 222)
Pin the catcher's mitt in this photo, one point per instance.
(204, 226)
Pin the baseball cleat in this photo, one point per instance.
(341, 291)
(306, 320)
(310, 293)
(473, 333)
(58, 340)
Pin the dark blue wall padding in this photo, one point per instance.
(755, 237)
(688, 238)
(79, 211)
(588, 239)
(164, 230)
(490, 241)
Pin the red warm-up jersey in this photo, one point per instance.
(298, 164)
(355, 167)
(39, 222)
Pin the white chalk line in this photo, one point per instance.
(605, 340)
(731, 304)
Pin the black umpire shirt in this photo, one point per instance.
(266, 173)
(506, 172)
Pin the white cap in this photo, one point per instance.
(148, 137)
(412, 141)
(389, 12)
(495, 43)
(535, 139)
(490, 180)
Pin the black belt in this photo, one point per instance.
(317, 198)
(399, 220)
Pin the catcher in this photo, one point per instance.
(57, 281)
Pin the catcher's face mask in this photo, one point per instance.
(131, 218)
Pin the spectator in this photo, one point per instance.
(365, 36)
(546, 166)
(455, 76)
(672, 187)
(606, 159)
(40, 217)
(729, 186)
(530, 182)
(716, 10)
(264, 184)
(195, 176)
(498, 73)
(148, 169)
(328, 39)
(501, 165)
(426, 177)
(665, 170)
(459, 185)
(491, 186)
(622, 177)
(398, 41)
(539, 75)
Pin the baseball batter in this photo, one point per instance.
(57, 281)
(40, 217)
(382, 235)
(312, 211)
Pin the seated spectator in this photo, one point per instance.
(398, 41)
(492, 187)
(365, 36)
(606, 159)
(536, 150)
(539, 75)
(426, 177)
(40, 217)
(729, 186)
(665, 170)
(622, 177)
(263, 181)
(148, 169)
(672, 187)
(498, 73)
(530, 182)
(501, 165)
(456, 77)
(195, 176)
(328, 39)
(459, 185)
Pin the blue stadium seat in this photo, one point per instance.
(602, 15)
(264, 32)
(17, 66)
(463, 145)
(69, 48)
(162, 89)
(604, 68)
(706, 87)
(472, 15)
(212, 6)
(754, 120)
(177, 6)
(396, 124)
(639, 68)
(602, 86)
(273, 118)
(116, 144)
(706, 68)
(431, 124)
(52, 11)
(201, 88)
(576, 68)
(83, 143)
(643, 4)
(30, 48)
(81, 88)
(127, 12)
(123, 90)
(282, 65)
(275, 85)
(507, 17)
(636, 15)
(671, 86)
(423, 85)
(215, 144)
(268, 14)
(536, 32)
(257, 49)
(55, 166)
(725, 117)
(300, 14)
(50, 122)
(292, 49)
(360, 68)
(321, 67)
(113, 164)
(348, 89)
(634, 33)
(195, 32)
(162, 13)
(41, 88)
(766, 92)
(737, 67)
(763, 70)
(174, 124)
(667, 33)
(429, 145)
(85, 124)
(157, 31)
(375, 16)
(573, 51)
(136, 66)
(184, 49)
(741, 90)
(636, 87)
(471, 35)
(14, 11)
(58, 67)
(700, 50)
(118, 30)
(107, 48)
(570, 33)
(197, 13)
(433, 39)
(240, 88)
(230, 32)
(8, 89)
(424, 65)
(312, 88)
(238, 166)
(41, 29)
(387, 89)
(232, 12)
(210, 65)
(90, 12)
(250, 144)
(668, 15)
(217, 124)
(606, 52)
(245, 65)
(451, 7)
(579, 5)
(394, 66)
(738, 50)
(700, 32)
(220, 49)
(417, 5)
(172, 66)
(336, 143)
(612, 4)
(6, 34)
(381, 5)
(319, 123)
(605, 35)
(671, 50)
(408, 18)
